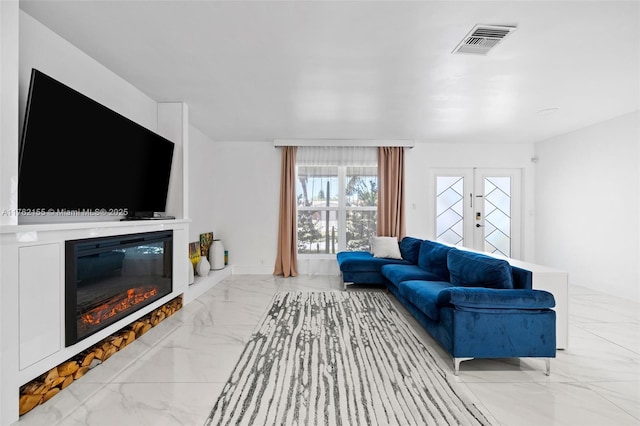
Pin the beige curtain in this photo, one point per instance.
(287, 256)
(391, 192)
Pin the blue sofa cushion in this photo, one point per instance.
(491, 298)
(470, 269)
(433, 258)
(424, 295)
(398, 273)
(410, 249)
(363, 261)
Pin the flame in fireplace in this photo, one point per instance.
(117, 305)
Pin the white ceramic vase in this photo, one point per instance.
(216, 255)
(192, 277)
(203, 267)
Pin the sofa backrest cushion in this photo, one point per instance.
(410, 249)
(470, 269)
(433, 258)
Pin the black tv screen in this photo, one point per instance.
(78, 155)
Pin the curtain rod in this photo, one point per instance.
(406, 143)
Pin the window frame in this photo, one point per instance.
(341, 210)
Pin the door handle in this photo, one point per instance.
(479, 226)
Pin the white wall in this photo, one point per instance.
(9, 53)
(588, 205)
(237, 186)
(202, 201)
(46, 51)
(9, 333)
(235, 190)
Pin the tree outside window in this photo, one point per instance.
(337, 208)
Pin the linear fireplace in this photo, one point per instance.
(110, 278)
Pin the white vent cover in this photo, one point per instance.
(483, 38)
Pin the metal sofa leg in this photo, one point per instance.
(547, 364)
(456, 364)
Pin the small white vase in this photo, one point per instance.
(192, 277)
(203, 267)
(216, 255)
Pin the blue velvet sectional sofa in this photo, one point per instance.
(473, 305)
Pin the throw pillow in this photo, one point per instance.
(385, 247)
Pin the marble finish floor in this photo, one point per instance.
(173, 374)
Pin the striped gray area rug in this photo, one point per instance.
(339, 358)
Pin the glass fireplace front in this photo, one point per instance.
(109, 278)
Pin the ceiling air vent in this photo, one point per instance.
(483, 38)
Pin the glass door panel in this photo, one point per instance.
(497, 212)
(478, 208)
(497, 215)
(450, 209)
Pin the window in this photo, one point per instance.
(336, 203)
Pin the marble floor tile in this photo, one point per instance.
(624, 334)
(190, 354)
(140, 404)
(592, 358)
(625, 395)
(173, 374)
(598, 308)
(535, 404)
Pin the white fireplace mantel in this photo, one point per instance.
(33, 283)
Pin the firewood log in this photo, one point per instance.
(146, 328)
(67, 368)
(86, 361)
(107, 354)
(117, 341)
(30, 388)
(51, 376)
(57, 381)
(27, 402)
(99, 353)
(67, 381)
(50, 394)
(42, 389)
(81, 372)
(137, 326)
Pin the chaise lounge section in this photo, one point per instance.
(472, 304)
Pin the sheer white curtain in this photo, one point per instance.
(337, 156)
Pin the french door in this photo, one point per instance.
(479, 208)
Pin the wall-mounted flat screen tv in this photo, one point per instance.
(79, 155)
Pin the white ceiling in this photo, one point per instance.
(366, 70)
